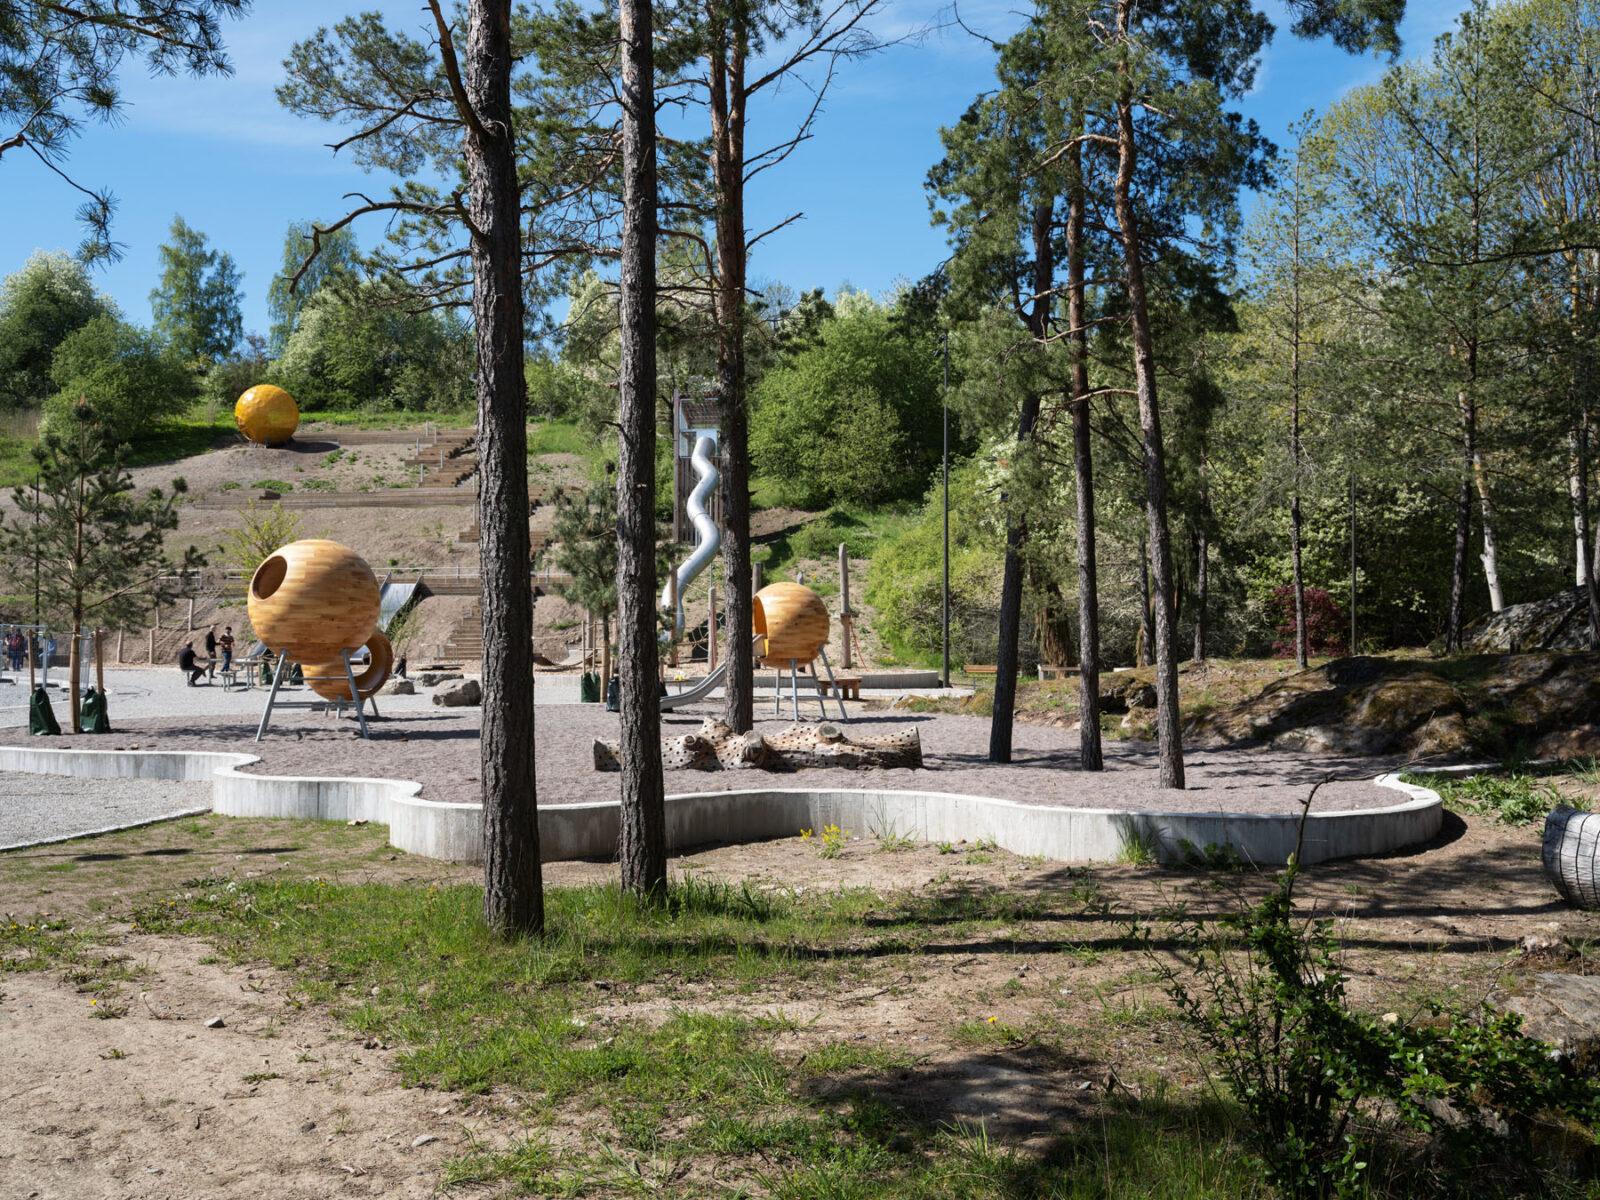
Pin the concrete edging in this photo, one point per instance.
(437, 829)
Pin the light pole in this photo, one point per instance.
(944, 595)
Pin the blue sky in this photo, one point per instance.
(236, 166)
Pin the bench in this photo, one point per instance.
(849, 686)
(980, 669)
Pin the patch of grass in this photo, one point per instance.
(362, 418)
(1140, 847)
(987, 1031)
(317, 485)
(862, 530)
(562, 437)
(273, 485)
(1513, 797)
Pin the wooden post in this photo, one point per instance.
(32, 678)
(158, 614)
(99, 665)
(588, 637)
(191, 614)
(152, 647)
(755, 578)
(845, 616)
(711, 630)
(605, 654)
(119, 647)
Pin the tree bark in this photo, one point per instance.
(1090, 754)
(1201, 553)
(513, 899)
(1578, 440)
(1169, 734)
(1147, 634)
(1296, 524)
(729, 44)
(642, 848)
(1456, 618)
(1005, 675)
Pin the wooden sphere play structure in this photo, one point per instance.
(267, 415)
(328, 679)
(313, 598)
(793, 620)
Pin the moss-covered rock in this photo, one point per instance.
(1479, 704)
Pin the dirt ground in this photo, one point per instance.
(281, 1100)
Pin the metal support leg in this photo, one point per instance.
(355, 692)
(794, 688)
(833, 686)
(272, 696)
(777, 691)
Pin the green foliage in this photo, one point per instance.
(262, 528)
(41, 305)
(904, 579)
(1266, 994)
(585, 535)
(131, 380)
(337, 260)
(370, 349)
(58, 71)
(197, 300)
(228, 378)
(98, 548)
(851, 416)
(1511, 797)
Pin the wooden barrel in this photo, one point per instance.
(793, 620)
(327, 679)
(312, 599)
(267, 414)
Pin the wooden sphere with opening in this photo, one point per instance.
(328, 680)
(793, 620)
(267, 415)
(313, 598)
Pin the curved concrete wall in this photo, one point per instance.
(455, 831)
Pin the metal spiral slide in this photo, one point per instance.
(709, 537)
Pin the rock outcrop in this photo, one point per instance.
(467, 693)
(1446, 708)
(1559, 622)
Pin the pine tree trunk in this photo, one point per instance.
(1201, 552)
(513, 899)
(1169, 733)
(1458, 567)
(1296, 525)
(729, 42)
(1054, 627)
(1090, 755)
(642, 849)
(1147, 635)
(1578, 440)
(74, 665)
(1005, 675)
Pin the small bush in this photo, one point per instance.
(1326, 623)
(273, 485)
(1266, 994)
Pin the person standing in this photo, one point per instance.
(225, 643)
(211, 651)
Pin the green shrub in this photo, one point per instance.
(273, 485)
(1266, 994)
(852, 417)
(130, 379)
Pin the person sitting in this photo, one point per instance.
(188, 662)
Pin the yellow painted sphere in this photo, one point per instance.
(312, 599)
(267, 415)
(328, 680)
(793, 620)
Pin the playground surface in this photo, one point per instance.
(438, 748)
(35, 809)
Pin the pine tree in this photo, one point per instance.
(98, 547)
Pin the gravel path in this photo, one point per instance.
(439, 748)
(52, 808)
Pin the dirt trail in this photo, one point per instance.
(278, 1102)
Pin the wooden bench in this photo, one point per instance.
(980, 669)
(849, 686)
